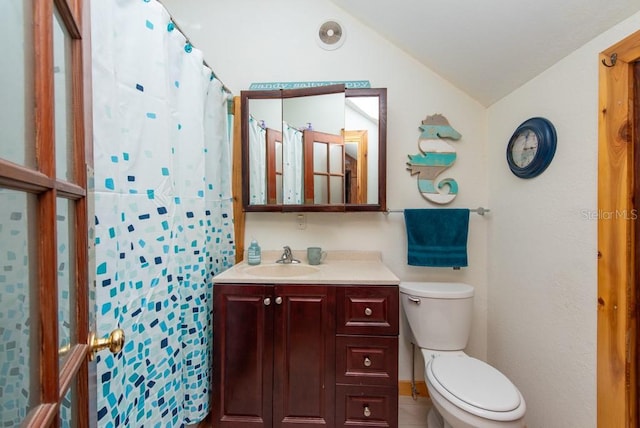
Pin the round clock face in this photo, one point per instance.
(531, 147)
(524, 148)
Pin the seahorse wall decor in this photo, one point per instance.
(435, 156)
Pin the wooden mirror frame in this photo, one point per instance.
(380, 93)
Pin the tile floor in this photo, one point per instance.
(413, 414)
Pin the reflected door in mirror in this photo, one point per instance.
(324, 168)
(274, 166)
(356, 171)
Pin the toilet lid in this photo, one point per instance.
(475, 383)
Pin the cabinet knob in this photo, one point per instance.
(368, 312)
(278, 300)
(267, 301)
(367, 362)
(367, 411)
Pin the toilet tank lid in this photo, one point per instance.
(437, 290)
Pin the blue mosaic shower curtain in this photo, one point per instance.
(163, 213)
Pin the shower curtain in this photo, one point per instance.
(257, 164)
(163, 213)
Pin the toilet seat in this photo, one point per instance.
(475, 387)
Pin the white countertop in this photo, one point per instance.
(339, 267)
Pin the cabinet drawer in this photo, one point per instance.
(367, 310)
(367, 360)
(366, 406)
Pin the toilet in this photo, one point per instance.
(466, 392)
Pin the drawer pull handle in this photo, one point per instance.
(367, 411)
(368, 312)
(267, 301)
(367, 362)
(278, 300)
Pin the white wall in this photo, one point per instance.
(532, 258)
(543, 243)
(257, 41)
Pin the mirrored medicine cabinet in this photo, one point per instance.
(314, 149)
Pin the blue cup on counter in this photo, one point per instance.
(315, 255)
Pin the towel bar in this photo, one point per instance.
(479, 211)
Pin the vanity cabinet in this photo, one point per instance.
(274, 353)
(305, 355)
(367, 356)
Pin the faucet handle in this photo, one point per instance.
(287, 256)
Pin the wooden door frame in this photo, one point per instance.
(360, 137)
(617, 329)
(236, 181)
(273, 137)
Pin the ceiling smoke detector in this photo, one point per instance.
(331, 35)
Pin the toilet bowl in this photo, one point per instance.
(466, 392)
(470, 393)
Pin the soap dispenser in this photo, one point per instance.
(253, 253)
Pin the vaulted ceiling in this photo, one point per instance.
(488, 48)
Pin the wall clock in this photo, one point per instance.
(531, 147)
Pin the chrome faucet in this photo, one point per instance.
(287, 257)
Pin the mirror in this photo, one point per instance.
(314, 149)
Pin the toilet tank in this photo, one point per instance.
(438, 313)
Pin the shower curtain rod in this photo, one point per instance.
(173, 21)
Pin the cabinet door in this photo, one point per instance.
(304, 356)
(243, 356)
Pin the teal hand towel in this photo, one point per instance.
(437, 237)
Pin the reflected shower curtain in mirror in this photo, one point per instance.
(292, 165)
(163, 213)
(257, 164)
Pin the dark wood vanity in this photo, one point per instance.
(273, 355)
(367, 356)
(305, 355)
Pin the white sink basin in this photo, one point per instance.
(281, 270)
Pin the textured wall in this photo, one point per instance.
(256, 41)
(532, 259)
(543, 243)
